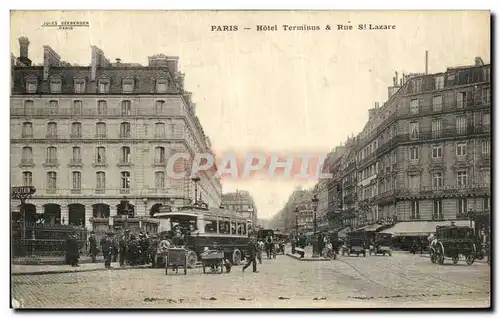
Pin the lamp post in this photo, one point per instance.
(315, 242)
(195, 180)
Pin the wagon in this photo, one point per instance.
(175, 258)
(382, 244)
(214, 260)
(453, 241)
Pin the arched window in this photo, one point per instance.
(125, 156)
(126, 108)
(51, 130)
(77, 179)
(159, 130)
(51, 155)
(159, 155)
(77, 107)
(102, 108)
(27, 130)
(125, 130)
(100, 180)
(27, 178)
(76, 130)
(125, 180)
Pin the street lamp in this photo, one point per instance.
(315, 237)
(195, 180)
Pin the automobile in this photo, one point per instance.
(354, 244)
(381, 245)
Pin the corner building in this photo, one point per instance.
(88, 137)
(432, 148)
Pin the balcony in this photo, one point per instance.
(100, 191)
(51, 163)
(125, 135)
(75, 135)
(100, 135)
(75, 163)
(100, 164)
(76, 191)
(50, 191)
(125, 191)
(51, 136)
(27, 163)
(159, 163)
(123, 163)
(27, 135)
(85, 112)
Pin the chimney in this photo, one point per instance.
(426, 62)
(396, 78)
(24, 43)
(50, 59)
(180, 79)
(371, 112)
(98, 60)
(172, 63)
(478, 61)
(376, 105)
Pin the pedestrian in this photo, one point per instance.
(93, 246)
(107, 249)
(153, 247)
(252, 251)
(133, 250)
(122, 246)
(260, 249)
(144, 243)
(115, 249)
(72, 250)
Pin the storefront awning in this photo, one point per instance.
(420, 228)
(373, 227)
(343, 232)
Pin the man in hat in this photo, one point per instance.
(107, 249)
(252, 253)
(93, 246)
(72, 250)
(122, 249)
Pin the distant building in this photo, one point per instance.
(241, 202)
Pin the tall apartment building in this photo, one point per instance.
(241, 202)
(432, 148)
(88, 137)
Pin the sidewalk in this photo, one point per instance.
(57, 260)
(17, 270)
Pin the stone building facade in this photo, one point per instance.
(90, 137)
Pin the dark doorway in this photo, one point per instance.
(100, 210)
(125, 208)
(155, 209)
(76, 214)
(52, 214)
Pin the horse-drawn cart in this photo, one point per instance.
(175, 258)
(214, 260)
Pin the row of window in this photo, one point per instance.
(100, 129)
(100, 177)
(368, 172)
(461, 101)
(102, 108)
(438, 179)
(80, 85)
(460, 150)
(463, 76)
(437, 208)
(100, 155)
(461, 125)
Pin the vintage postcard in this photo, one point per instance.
(250, 159)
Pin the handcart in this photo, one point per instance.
(175, 258)
(214, 260)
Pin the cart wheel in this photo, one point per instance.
(191, 259)
(454, 259)
(440, 259)
(469, 259)
(236, 257)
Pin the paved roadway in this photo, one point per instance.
(375, 281)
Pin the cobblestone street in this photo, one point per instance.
(400, 280)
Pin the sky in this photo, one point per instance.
(283, 92)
